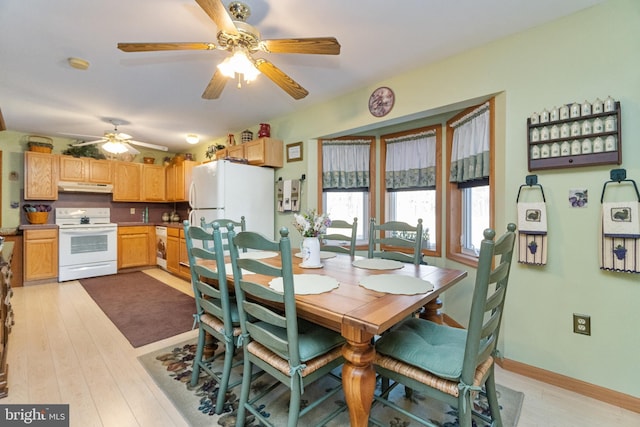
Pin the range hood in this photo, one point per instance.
(84, 187)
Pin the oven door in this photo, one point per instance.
(87, 252)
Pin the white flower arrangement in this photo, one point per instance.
(311, 224)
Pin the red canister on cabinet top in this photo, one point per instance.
(265, 130)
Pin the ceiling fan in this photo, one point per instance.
(119, 143)
(242, 40)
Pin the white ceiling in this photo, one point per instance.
(158, 94)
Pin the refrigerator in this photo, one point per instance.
(230, 190)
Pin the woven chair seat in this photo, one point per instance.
(217, 325)
(282, 365)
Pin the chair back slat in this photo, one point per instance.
(340, 242)
(248, 291)
(388, 240)
(483, 329)
(208, 227)
(210, 299)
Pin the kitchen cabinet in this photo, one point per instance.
(153, 183)
(127, 179)
(173, 250)
(136, 246)
(178, 179)
(184, 270)
(177, 257)
(40, 254)
(236, 151)
(259, 152)
(84, 169)
(264, 152)
(40, 176)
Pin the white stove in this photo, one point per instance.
(87, 243)
(83, 217)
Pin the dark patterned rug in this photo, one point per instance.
(171, 370)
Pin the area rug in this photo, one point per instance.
(144, 309)
(171, 370)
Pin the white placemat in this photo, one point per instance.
(257, 254)
(323, 255)
(396, 284)
(306, 284)
(228, 269)
(377, 264)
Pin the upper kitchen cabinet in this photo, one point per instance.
(264, 152)
(41, 176)
(178, 178)
(153, 183)
(259, 152)
(127, 181)
(85, 169)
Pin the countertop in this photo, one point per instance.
(121, 224)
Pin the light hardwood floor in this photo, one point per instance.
(63, 349)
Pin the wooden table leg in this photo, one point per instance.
(358, 380)
(432, 311)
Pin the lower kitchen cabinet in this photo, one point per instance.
(177, 258)
(136, 246)
(173, 250)
(40, 254)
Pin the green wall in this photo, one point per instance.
(589, 55)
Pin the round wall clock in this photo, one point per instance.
(381, 101)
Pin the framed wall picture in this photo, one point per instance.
(294, 152)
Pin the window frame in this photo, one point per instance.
(437, 251)
(372, 182)
(455, 217)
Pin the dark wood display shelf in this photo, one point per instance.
(601, 158)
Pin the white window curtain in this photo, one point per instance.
(345, 164)
(470, 151)
(411, 162)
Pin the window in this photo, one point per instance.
(346, 185)
(411, 172)
(470, 195)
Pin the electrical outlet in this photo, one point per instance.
(132, 211)
(581, 324)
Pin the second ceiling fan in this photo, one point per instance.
(242, 40)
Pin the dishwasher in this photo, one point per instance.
(161, 247)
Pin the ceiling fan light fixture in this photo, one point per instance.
(193, 138)
(239, 63)
(114, 147)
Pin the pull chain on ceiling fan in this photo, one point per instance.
(243, 40)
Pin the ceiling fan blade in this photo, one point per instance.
(317, 45)
(152, 47)
(215, 86)
(97, 141)
(218, 14)
(3, 126)
(130, 149)
(281, 79)
(122, 135)
(146, 144)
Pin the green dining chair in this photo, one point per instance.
(216, 312)
(293, 351)
(338, 242)
(208, 226)
(452, 364)
(386, 241)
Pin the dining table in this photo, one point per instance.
(360, 313)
